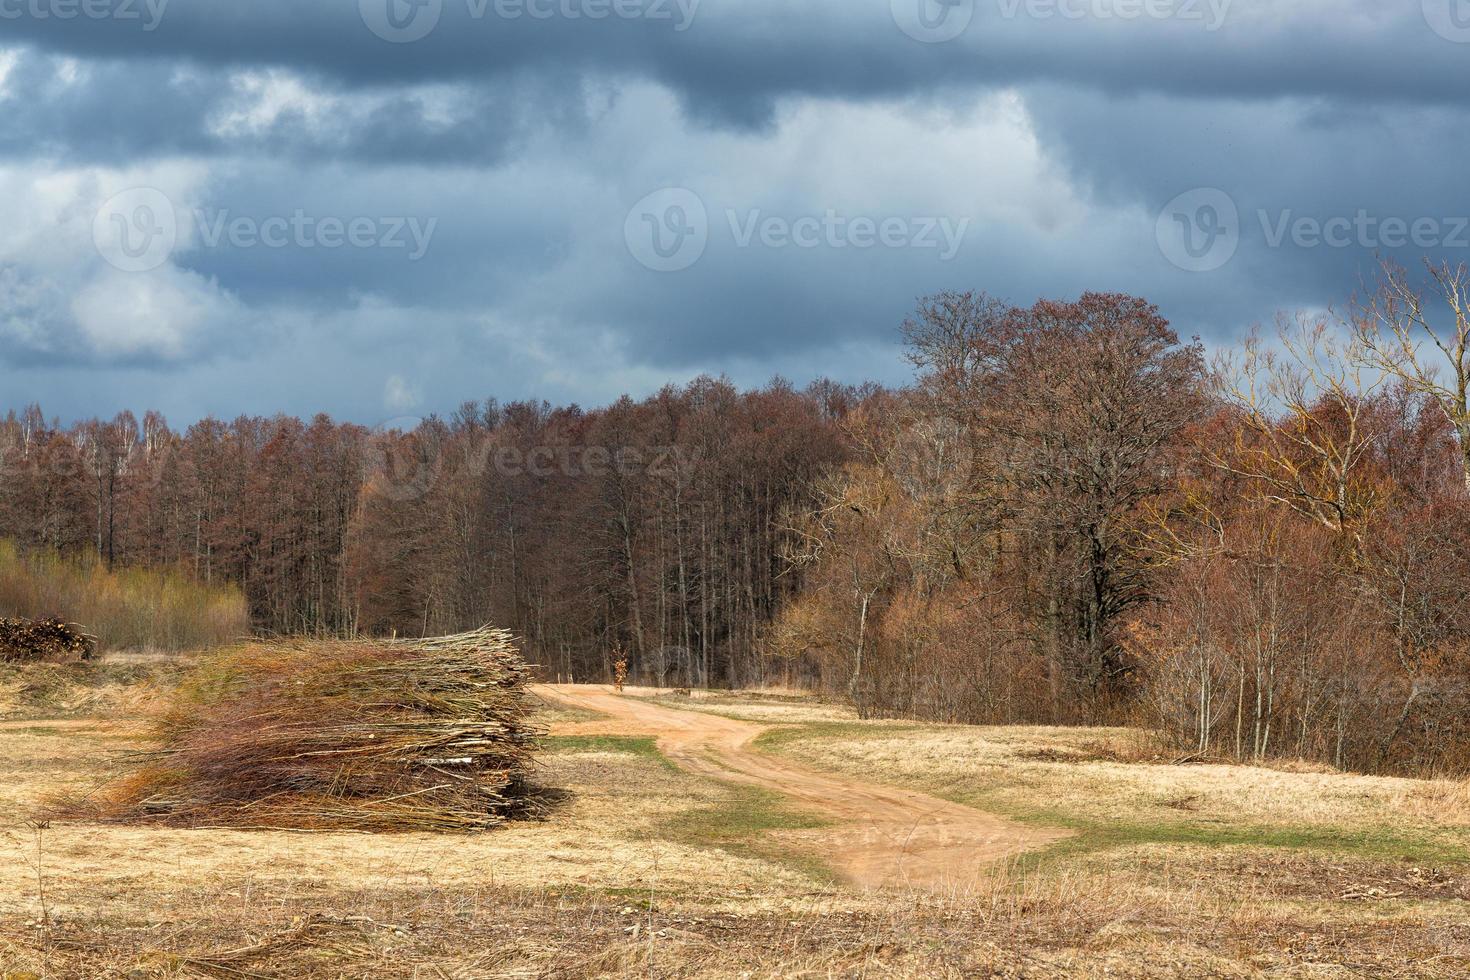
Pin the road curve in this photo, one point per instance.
(881, 836)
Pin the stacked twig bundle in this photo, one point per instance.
(429, 735)
(43, 641)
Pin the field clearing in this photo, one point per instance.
(1077, 778)
(647, 869)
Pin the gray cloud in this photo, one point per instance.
(1056, 140)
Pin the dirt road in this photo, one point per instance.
(881, 836)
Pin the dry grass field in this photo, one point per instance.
(643, 868)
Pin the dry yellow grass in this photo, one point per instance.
(596, 841)
(95, 690)
(1070, 771)
(631, 876)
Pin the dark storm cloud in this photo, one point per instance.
(820, 46)
(731, 65)
(526, 141)
(1303, 161)
(145, 109)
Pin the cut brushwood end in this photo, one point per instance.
(402, 735)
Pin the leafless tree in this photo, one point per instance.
(1402, 335)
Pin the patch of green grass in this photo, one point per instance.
(1094, 834)
(748, 812)
(778, 739)
(644, 748)
(739, 824)
(552, 711)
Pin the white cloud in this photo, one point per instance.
(398, 395)
(60, 299)
(164, 314)
(262, 97)
(9, 58)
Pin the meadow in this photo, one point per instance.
(645, 868)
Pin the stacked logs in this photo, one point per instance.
(44, 641)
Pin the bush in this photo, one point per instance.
(128, 609)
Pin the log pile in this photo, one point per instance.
(423, 735)
(44, 641)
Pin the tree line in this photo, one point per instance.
(654, 528)
(1071, 516)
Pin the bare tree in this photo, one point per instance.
(1392, 328)
(1303, 436)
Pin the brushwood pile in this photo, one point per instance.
(44, 641)
(412, 735)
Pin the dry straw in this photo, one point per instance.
(419, 735)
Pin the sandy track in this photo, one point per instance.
(882, 836)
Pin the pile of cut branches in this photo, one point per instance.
(43, 641)
(418, 735)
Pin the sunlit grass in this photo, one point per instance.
(1113, 805)
(126, 609)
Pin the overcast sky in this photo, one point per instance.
(382, 208)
